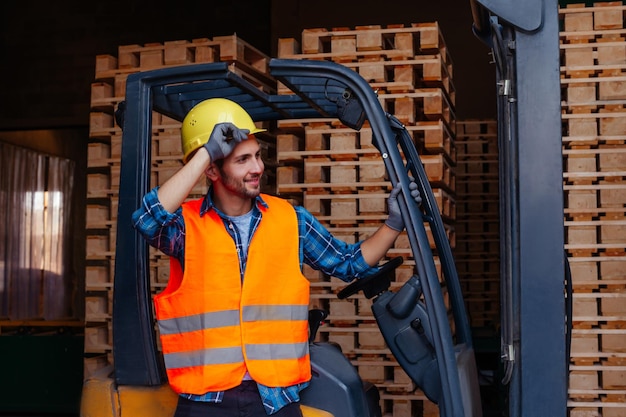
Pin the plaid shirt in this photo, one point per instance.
(318, 249)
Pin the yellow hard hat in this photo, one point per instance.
(202, 118)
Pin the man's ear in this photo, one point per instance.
(212, 172)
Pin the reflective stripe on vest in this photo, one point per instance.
(233, 355)
(199, 322)
(213, 329)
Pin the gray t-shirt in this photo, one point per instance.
(242, 223)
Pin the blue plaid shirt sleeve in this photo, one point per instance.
(322, 251)
(161, 229)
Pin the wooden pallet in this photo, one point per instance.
(397, 58)
(593, 48)
(419, 104)
(477, 251)
(398, 41)
(434, 137)
(246, 60)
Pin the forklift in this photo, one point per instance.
(414, 319)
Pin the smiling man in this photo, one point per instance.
(233, 319)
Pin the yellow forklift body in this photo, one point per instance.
(102, 397)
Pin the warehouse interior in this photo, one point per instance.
(48, 77)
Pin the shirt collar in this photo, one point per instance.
(207, 204)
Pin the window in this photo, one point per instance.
(35, 263)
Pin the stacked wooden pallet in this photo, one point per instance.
(593, 47)
(104, 156)
(477, 252)
(337, 174)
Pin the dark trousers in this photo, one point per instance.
(241, 401)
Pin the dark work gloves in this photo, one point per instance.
(223, 139)
(394, 220)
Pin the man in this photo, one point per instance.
(233, 318)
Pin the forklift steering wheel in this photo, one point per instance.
(374, 284)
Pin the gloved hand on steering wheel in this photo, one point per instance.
(394, 220)
(224, 137)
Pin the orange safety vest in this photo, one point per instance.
(214, 327)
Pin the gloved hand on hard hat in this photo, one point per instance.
(224, 137)
(394, 220)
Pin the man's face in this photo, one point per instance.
(242, 170)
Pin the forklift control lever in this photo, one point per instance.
(316, 317)
(417, 325)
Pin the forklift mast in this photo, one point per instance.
(524, 39)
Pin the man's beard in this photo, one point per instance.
(239, 188)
